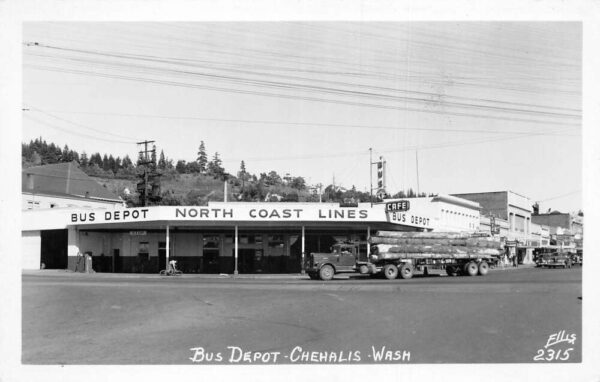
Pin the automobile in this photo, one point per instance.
(554, 260)
(576, 259)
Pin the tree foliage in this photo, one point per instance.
(202, 158)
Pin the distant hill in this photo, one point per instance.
(190, 183)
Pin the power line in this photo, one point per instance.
(70, 131)
(305, 98)
(442, 101)
(79, 124)
(561, 196)
(316, 124)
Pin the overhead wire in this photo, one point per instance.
(319, 124)
(444, 101)
(103, 132)
(296, 97)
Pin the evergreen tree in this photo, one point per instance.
(26, 151)
(67, 155)
(126, 162)
(153, 157)
(105, 165)
(50, 156)
(112, 164)
(202, 158)
(215, 167)
(162, 163)
(96, 159)
(84, 160)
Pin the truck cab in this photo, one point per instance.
(342, 258)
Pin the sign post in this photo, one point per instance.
(167, 250)
(303, 250)
(235, 251)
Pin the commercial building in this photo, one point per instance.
(57, 186)
(229, 237)
(63, 185)
(516, 210)
(566, 229)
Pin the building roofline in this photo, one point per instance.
(72, 196)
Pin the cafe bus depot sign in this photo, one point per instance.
(399, 212)
(417, 215)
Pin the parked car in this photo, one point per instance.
(554, 260)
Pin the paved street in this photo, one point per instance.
(507, 316)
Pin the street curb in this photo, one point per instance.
(67, 273)
(286, 276)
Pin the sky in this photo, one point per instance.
(452, 107)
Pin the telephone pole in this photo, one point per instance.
(142, 186)
(417, 160)
(371, 175)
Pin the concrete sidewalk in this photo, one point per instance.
(279, 276)
(69, 273)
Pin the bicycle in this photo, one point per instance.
(172, 271)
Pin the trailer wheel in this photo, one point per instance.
(451, 270)
(363, 269)
(406, 271)
(484, 268)
(471, 268)
(390, 271)
(326, 272)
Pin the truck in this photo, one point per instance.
(400, 254)
(342, 258)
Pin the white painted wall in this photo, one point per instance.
(35, 201)
(31, 248)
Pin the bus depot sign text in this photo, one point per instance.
(401, 213)
(221, 214)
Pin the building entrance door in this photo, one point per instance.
(54, 249)
(211, 251)
(115, 267)
(246, 260)
(162, 255)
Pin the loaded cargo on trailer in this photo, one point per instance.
(400, 254)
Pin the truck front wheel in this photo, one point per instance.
(326, 272)
(390, 271)
(406, 271)
(472, 268)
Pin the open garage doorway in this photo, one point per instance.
(54, 249)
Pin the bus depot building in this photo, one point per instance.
(223, 237)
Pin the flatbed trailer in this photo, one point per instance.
(403, 265)
(398, 254)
